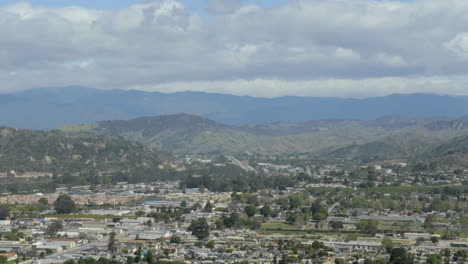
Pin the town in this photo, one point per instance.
(302, 214)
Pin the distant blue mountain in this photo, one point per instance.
(47, 108)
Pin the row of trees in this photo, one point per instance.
(63, 205)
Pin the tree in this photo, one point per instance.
(64, 204)
(137, 254)
(4, 212)
(387, 244)
(3, 260)
(340, 261)
(460, 255)
(299, 219)
(266, 210)
(176, 240)
(149, 257)
(336, 225)
(210, 244)
(368, 226)
(250, 210)
(149, 223)
(208, 207)
(434, 259)
(232, 220)
(111, 244)
(296, 200)
(43, 203)
(200, 228)
(319, 212)
(400, 256)
(53, 228)
(446, 252)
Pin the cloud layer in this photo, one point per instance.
(342, 48)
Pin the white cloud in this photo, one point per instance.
(346, 54)
(459, 45)
(307, 47)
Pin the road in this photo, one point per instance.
(80, 248)
(241, 164)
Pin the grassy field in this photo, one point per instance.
(77, 128)
(279, 226)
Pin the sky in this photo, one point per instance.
(266, 48)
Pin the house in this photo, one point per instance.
(94, 224)
(15, 246)
(5, 223)
(153, 235)
(131, 224)
(9, 256)
(65, 243)
(353, 246)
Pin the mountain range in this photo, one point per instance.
(48, 108)
(383, 138)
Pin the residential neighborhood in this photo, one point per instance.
(303, 223)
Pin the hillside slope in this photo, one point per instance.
(451, 153)
(186, 134)
(72, 154)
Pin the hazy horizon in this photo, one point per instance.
(64, 88)
(327, 48)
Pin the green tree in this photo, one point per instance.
(250, 210)
(53, 228)
(336, 225)
(266, 210)
(460, 255)
(232, 220)
(400, 256)
(387, 244)
(43, 203)
(3, 260)
(319, 212)
(434, 259)
(4, 212)
(210, 244)
(340, 261)
(368, 226)
(176, 240)
(111, 244)
(137, 254)
(200, 228)
(296, 200)
(149, 257)
(208, 207)
(64, 204)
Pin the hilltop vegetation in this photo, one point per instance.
(348, 139)
(68, 155)
(453, 152)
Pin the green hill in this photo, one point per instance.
(452, 153)
(189, 134)
(89, 155)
